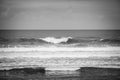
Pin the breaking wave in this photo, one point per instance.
(59, 42)
(56, 40)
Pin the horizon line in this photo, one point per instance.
(58, 29)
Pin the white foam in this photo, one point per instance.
(55, 49)
(62, 69)
(56, 40)
(60, 52)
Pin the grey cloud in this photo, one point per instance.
(65, 14)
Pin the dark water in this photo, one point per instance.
(28, 38)
(59, 33)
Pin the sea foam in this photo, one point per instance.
(54, 49)
(56, 40)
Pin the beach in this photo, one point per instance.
(84, 73)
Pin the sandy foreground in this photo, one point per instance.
(84, 73)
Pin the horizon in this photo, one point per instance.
(60, 29)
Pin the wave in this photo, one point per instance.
(61, 41)
(56, 40)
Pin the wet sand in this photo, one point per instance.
(84, 73)
(92, 73)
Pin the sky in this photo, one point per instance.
(59, 14)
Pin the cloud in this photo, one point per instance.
(4, 11)
(63, 14)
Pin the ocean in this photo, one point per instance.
(63, 50)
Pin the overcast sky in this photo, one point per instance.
(59, 14)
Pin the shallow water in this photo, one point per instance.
(59, 60)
